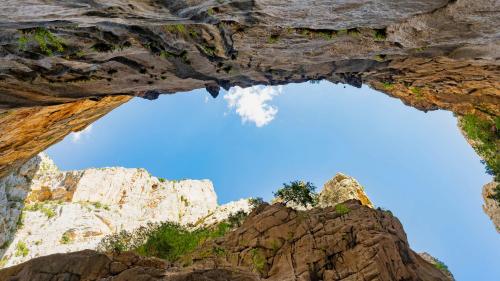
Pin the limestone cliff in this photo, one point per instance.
(342, 188)
(430, 54)
(44, 210)
(275, 243)
(491, 207)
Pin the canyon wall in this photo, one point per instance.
(44, 210)
(92, 56)
(275, 243)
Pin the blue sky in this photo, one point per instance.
(250, 141)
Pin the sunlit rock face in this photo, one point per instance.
(340, 189)
(490, 206)
(51, 211)
(430, 54)
(274, 243)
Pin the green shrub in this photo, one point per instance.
(385, 211)
(441, 266)
(485, 135)
(3, 261)
(46, 41)
(66, 238)
(496, 194)
(237, 219)
(259, 260)
(169, 241)
(161, 179)
(176, 28)
(273, 39)
(21, 249)
(388, 85)
(342, 209)
(417, 91)
(256, 202)
(379, 34)
(47, 210)
(298, 192)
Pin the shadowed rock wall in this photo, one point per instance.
(86, 56)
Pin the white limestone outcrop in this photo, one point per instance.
(46, 211)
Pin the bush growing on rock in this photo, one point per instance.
(21, 249)
(237, 219)
(167, 240)
(342, 209)
(298, 192)
(256, 202)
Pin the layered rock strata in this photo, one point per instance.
(430, 54)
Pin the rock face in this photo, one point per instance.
(432, 260)
(490, 206)
(49, 211)
(274, 243)
(280, 243)
(342, 188)
(430, 54)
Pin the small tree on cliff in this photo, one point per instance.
(298, 192)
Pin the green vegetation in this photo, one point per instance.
(496, 194)
(3, 261)
(327, 35)
(441, 266)
(379, 34)
(388, 212)
(208, 50)
(388, 85)
(259, 260)
(256, 202)
(176, 28)
(161, 179)
(21, 249)
(20, 220)
(193, 33)
(46, 209)
(184, 200)
(237, 219)
(342, 209)
(342, 32)
(167, 240)
(97, 205)
(417, 91)
(485, 136)
(183, 56)
(299, 192)
(353, 32)
(80, 54)
(66, 238)
(46, 41)
(5, 245)
(273, 39)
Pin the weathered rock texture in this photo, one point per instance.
(274, 243)
(342, 188)
(432, 260)
(429, 53)
(283, 244)
(51, 211)
(490, 206)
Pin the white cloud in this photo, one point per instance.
(252, 104)
(77, 136)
